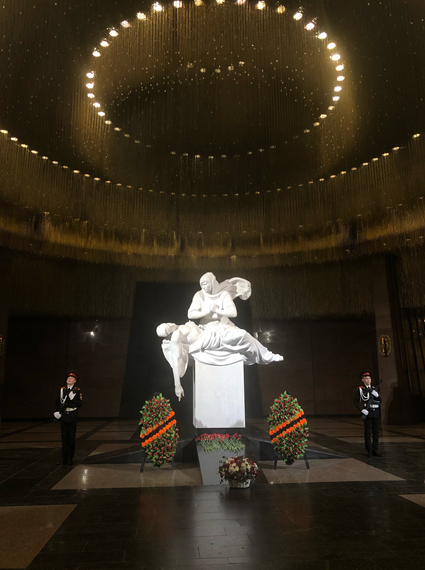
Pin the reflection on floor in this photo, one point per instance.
(128, 475)
(324, 471)
(30, 528)
(342, 514)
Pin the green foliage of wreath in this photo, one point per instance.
(290, 446)
(164, 446)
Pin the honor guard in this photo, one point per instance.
(67, 403)
(368, 402)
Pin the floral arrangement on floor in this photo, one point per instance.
(239, 469)
(216, 441)
(158, 433)
(288, 428)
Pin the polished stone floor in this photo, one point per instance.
(348, 512)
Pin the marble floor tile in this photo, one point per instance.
(26, 436)
(383, 439)
(128, 475)
(124, 428)
(30, 445)
(325, 471)
(418, 498)
(54, 429)
(412, 430)
(335, 432)
(126, 423)
(24, 530)
(107, 447)
(111, 435)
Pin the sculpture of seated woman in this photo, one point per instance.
(216, 340)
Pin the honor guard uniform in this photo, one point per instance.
(67, 403)
(368, 402)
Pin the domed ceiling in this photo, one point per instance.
(217, 133)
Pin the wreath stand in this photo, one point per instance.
(278, 457)
(146, 459)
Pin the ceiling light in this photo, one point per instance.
(281, 9)
(322, 116)
(89, 85)
(335, 98)
(332, 45)
(96, 105)
(322, 36)
(297, 16)
(141, 16)
(90, 95)
(338, 88)
(104, 43)
(340, 78)
(335, 57)
(125, 24)
(157, 7)
(96, 53)
(339, 67)
(90, 74)
(177, 4)
(310, 26)
(260, 5)
(101, 113)
(113, 33)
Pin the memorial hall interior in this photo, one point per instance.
(145, 144)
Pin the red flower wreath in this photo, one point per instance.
(158, 433)
(288, 428)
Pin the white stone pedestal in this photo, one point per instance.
(218, 396)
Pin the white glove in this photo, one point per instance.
(365, 412)
(71, 395)
(57, 415)
(375, 393)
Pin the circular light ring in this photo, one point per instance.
(157, 9)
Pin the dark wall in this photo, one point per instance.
(321, 366)
(322, 362)
(40, 351)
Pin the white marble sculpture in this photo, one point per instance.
(216, 340)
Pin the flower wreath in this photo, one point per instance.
(158, 433)
(288, 428)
